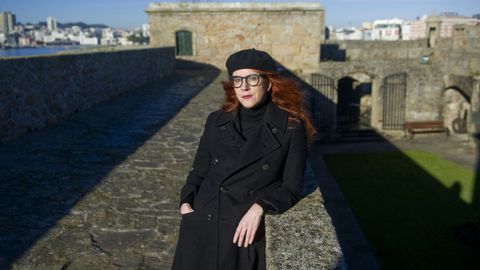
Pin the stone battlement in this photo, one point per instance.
(232, 7)
(39, 91)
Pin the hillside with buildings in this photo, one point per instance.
(400, 29)
(51, 32)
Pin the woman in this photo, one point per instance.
(250, 161)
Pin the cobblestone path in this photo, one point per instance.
(100, 191)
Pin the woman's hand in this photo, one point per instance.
(248, 226)
(186, 208)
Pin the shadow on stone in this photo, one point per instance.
(46, 173)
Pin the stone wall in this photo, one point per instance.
(451, 62)
(290, 32)
(40, 91)
(383, 50)
(424, 91)
(459, 55)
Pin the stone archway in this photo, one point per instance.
(456, 110)
(354, 109)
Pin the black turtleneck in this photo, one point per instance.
(252, 118)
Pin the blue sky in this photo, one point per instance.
(130, 13)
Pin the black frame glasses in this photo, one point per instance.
(251, 80)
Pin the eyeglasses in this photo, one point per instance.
(252, 80)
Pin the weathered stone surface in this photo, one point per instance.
(40, 91)
(302, 238)
(219, 29)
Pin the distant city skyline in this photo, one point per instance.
(131, 13)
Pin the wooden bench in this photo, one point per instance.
(411, 128)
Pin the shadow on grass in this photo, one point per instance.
(469, 232)
(407, 204)
(44, 174)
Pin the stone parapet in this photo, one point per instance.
(231, 7)
(360, 50)
(40, 91)
(303, 238)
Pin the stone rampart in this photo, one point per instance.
(40, 91)
(383, 50)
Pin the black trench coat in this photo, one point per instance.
(229, 175)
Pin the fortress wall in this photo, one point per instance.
(290, 32)
(383, 50)
(459, 55)
(424, 91)
(40, 91)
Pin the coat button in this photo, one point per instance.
(216, 161)
(209, 217)
(223, 189)
(265, 167)
(274, 130)
(250, 192)
(223, 128)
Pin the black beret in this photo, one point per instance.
(250, 58)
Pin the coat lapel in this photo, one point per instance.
(230, 123)
(275, 121)
(254, 149)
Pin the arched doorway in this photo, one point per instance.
(456, 110)
(354, 109)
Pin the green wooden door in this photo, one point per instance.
(184, 43)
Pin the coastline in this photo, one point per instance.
(7, 52)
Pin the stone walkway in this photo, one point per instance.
(100, 190)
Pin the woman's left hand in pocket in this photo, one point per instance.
(248, 225)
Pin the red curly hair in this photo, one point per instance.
(285, 94)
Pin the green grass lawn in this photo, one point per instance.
(407, 205)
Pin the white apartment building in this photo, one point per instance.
(12, 21)
(76, 29)
(55, 35)
(87, 39)
(414, 29)
(348, 34)
(124, 41)
(51, 24)
(26, 41)
(38, 35)
(7, 22)
(108, 37)
(146, 30)
(387, 29)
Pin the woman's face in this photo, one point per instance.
(250, 86)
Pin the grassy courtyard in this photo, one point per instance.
(407, 205)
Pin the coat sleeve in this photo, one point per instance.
(291, 189)
(200, 167)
